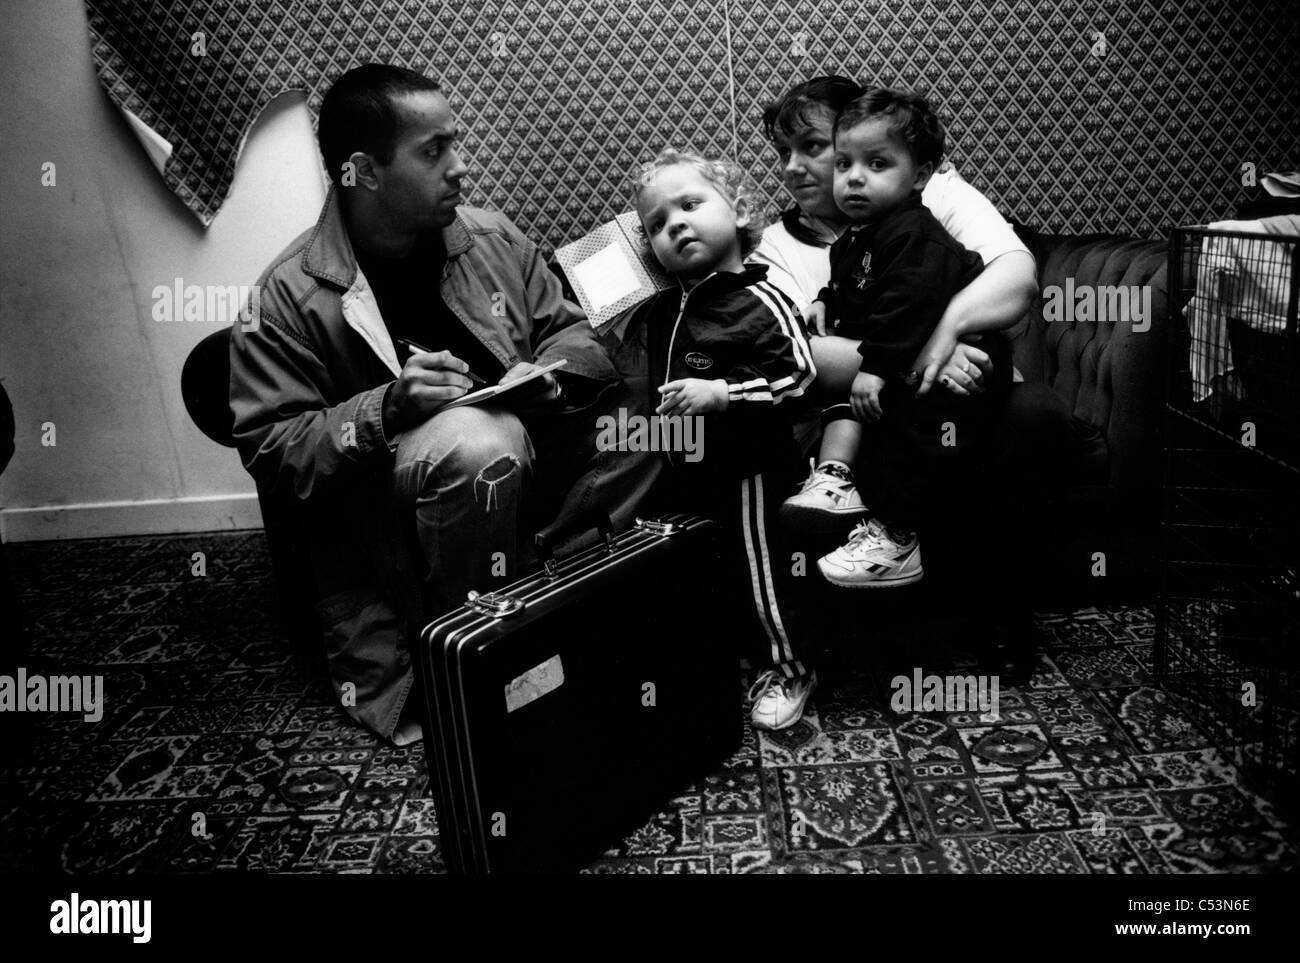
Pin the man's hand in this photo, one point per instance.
(865, 397)
(815, 319)
(429, 380)
(693, 396)
(539, 395)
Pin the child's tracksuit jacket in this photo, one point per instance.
(741, 329)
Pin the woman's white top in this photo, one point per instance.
(802, 270)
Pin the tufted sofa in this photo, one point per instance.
(1113, 378)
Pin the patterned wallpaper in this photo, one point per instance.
(1075, 115)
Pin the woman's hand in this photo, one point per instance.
(998, 298)
(935, 356)
(965, 372)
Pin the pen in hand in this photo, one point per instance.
(411, 347)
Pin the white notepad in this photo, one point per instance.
(493, 392)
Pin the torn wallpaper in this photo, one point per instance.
(1073, 115)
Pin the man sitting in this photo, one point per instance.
(338, 406)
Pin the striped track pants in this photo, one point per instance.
(758, 552)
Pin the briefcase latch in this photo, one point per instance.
(655, 527)
(493, 604)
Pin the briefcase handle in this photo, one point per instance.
(544, 542)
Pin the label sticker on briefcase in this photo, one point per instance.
(534, 683)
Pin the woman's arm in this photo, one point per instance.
(997, 299)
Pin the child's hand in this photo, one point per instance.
(692, 396)
(815, 318)
(865, 398)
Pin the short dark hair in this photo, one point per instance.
(795, 110)
(915, 124)
(360, 113)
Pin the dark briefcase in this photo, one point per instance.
(566, 709)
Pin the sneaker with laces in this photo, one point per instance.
(874, 557)
(777, 702)
(825, 502)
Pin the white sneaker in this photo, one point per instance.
(825, 503)
(872, 558)
(777, 702)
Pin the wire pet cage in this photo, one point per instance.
(1228, 627)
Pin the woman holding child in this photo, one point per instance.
(1033, 431)
(726, 346)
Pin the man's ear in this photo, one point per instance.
(742, 212)
(359, 171)
(923, 174)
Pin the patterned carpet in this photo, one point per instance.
(218, 751)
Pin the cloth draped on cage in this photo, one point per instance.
(1237, 279)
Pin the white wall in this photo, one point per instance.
(78, 262)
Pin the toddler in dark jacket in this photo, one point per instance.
(893, 273)
(727, 351)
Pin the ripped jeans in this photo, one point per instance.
(464, 473)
